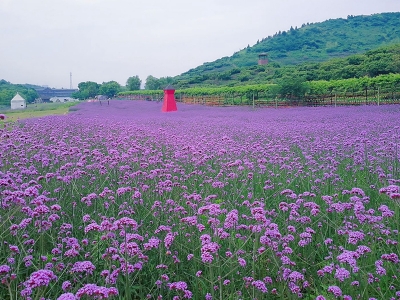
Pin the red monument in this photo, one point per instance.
(169, 103)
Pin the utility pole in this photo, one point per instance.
(70, 80)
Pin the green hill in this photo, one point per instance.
(8, 91)
(311, 43)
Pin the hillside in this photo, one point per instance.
(380, 61)
(311, 43)
(8, 91)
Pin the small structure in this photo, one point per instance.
(46, 93)
(101, 97)
(18, 102)
(263, 58)
(62, 99)
(169, 103)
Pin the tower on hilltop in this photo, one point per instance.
(263, 58)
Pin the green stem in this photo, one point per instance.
(10, 291)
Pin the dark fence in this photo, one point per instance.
(367, 96)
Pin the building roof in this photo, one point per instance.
(48, 93)
(169, 88)
(18, 97)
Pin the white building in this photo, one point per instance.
(18, 102)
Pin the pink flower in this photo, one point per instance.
(341, 274)
(83, 267)
(392, 257)
(92, 227)
(165, 277)
(152, 243)
(131, 248)
(40, 278)
(242, 262)
(67, 296)
(126, 222)
(231, 219)
(66, 285)
(295, 276)
(335, 290)
(260, 285)
(14, 249)
(206, 257)
(355, 237)
(180, 285)
(169, 238)
(4, 269)
(100, 292)
(190, 220)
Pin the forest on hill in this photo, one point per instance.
(380, 61)
(375, 70)
(307, 46)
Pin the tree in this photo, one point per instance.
(152, 83)
(110, 89)
(8, 91)
(133, 83)
(88, 89)
(30, 95)
(294, 86)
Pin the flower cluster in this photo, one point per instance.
(205, 203)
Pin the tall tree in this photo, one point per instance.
(110, 89)
(88, 89)
(133, 83)
(294, 86)
(152, 83)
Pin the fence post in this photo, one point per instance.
(378, 94)
(335, 99)
(253, 100)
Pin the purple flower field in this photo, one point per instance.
(122, 201)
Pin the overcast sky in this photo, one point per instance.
(42, 41)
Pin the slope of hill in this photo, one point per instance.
(316, 42)
(8, 91)
(380, 61)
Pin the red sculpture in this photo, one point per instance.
(169, 103)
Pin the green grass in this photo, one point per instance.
(37, 110)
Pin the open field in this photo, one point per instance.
(122, 201)
(37, 110)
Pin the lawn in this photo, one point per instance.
(37, 110)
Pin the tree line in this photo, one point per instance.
(9, 90)
(295, 87)
(90, 89)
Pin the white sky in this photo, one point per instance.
(42, 41)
